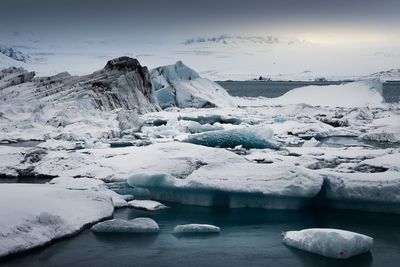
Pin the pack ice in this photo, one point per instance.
(333, 243)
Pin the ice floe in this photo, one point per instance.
(138, 225)
(196, 229)
(146, 204)
(333, 243)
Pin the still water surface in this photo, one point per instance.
(249, 237)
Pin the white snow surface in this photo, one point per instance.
(196, 228)
(40, 213)
(137, 225)
(333, 243)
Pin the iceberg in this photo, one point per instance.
(42, 213)
(138, 225)
(333, 243)
(247, 137)
(180, 86)
(146, 205)
(196, 229)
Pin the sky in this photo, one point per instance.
(221, 39)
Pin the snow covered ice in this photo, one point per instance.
(41, 213)
(203, 148)
(333, 243)
(194, 228)
(146, 205)
(137, 225)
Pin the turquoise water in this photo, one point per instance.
(249, 237)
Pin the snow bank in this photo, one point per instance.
(355, 94)
(138, 225)
(146, 204)
(196, 228)
(178, 85)
(333, 243)
(33, 215)
(249, 137)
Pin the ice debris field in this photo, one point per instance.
(125, 136)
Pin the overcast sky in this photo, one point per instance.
(329, 37)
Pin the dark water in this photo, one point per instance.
(391, 90)
(32, 143)
(248, 238)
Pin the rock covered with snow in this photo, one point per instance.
(138, 225)
(41, 213)
(196, 229)
(333, 243)
(178, 85)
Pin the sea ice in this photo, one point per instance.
(138, 225)
(333, 243)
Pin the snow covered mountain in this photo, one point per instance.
(178, 85)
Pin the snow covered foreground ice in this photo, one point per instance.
(333, 243)
(196, 229)
(137, 225)
(33, 215)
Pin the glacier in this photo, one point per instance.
(333, 243)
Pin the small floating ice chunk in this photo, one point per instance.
(333, 243)
(138, 225)
(196, 229)
(146, 204)
(249, 137)
(119, 202)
